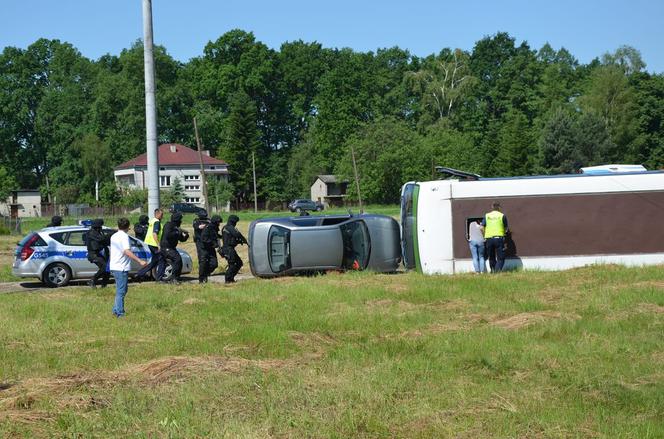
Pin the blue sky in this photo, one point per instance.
(587, 28)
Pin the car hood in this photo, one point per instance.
(321, 248)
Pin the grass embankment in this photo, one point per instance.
(569, 354)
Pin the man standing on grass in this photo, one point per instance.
(495, 228)
(121, 256)
(152, 238)
(97, 242)
(173, 234)
(231, 237)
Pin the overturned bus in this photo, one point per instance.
(555, 222)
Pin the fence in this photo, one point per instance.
(13, 225)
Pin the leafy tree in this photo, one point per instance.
(109, 195)
(7, 184)
(571, 141)
(67, 194)
(219, 192)
(441, 83)
(95, 157)
(134, 198)
(388, 153)
(174, 194)
(517, 148)
(242, 139)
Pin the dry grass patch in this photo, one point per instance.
(18, 399)
(192, 301)
(530, 318)
(650, 308)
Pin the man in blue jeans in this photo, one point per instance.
(495, 228)
(120, 263)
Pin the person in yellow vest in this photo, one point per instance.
(495, 228)
(152, 238)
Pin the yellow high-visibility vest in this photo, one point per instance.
(149, 237)
(494, 224)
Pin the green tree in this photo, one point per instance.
(219, 192)
(7, 184)
(388, 153)
(241, 140)
(109, 195)
(175, 194)
(517, 148)
(441, 83)
(95, 157)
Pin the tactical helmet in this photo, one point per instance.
(202, 214)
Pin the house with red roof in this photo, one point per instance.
(175, 161)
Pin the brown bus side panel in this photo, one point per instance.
(564, 225)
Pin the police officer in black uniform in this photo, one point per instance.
(231, 237)
(207, 258)
(199, 225)
(169, 242)
(56, 221)
(97, 242)
(141, 227)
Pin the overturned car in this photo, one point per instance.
(305, 244)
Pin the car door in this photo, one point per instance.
(76, 252)
(140, 250)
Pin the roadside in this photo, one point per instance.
(35, 286)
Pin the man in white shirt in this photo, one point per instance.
(120, 263)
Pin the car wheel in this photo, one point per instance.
(57, 275)
(168, 273)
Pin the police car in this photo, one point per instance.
(57, 255)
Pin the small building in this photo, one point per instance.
(329, 190)
(175, 161)
(22, 203)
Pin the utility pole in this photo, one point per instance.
(357, 179)
(150, 109)
(253, 166)
(200, 159)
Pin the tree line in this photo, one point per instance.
(501, 109)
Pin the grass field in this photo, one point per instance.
(578, 353)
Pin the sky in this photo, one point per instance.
(587, 28)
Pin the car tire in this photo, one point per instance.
(56, 275)
(168, 273)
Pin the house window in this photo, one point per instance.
(164, 180)
(192, 177)
(192, 188)
(192, 199)
(162, 169)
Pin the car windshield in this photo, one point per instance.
(355, 236)
(279, 248)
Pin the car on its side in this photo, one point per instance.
(285, 246)
(186, 208)
(304, 205)
(58, 255)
